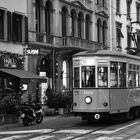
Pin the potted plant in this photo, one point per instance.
(8, 104)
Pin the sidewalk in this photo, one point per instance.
(46, 118)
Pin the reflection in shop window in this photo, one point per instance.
(88, 76)
(102, 76)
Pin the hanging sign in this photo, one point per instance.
(32, 51)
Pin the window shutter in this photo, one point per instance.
(9, 26)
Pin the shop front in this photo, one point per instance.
(16, 82)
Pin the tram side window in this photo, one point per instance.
(114, 74)
(88, 76)
(133, 76)
(102, 77)
(122, 74)
(76, 77)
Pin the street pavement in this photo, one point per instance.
(129, 131)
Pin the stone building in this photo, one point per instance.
(60, 28)
(125, 27)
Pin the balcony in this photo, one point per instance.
(42, 39)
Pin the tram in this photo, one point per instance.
(106, 83)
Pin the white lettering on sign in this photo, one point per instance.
(32, 51)
(9, 62)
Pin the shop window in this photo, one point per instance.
(88, 76)
(65, 75)
(102, 76)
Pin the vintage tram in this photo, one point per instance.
(106, 83)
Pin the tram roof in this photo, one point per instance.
(107, 53)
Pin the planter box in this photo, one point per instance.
(8, 119)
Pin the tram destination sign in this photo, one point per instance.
(32, 51)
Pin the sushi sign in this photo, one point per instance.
(31, 51)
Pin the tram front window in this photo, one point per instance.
(88, 76)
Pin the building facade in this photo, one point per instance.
(13, 39)
(124, 19)
(60, 28)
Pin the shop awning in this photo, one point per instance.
(24, 75)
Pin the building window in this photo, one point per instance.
(138, 11)
(104, 33)
(64, 21)
(80, 20)
(117, 6)
(73, 23)
(37, 16)
(48, 16)
(65, 75)
(138, 40)
(128, 37)
(104, 3)
(87, 27)
(2, 24)
(99, 30)
(17, 27)
(128, 9)
(119, 35)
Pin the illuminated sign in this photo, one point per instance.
(32, 51)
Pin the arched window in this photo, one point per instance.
(48, 17)
(98, 30)
(80, 20)
(87, 27)
(73, 21)
(104, 33)
(65, 75)
(64, 21)
(37, 15)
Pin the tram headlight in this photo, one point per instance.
(88, 100)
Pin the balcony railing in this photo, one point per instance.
(44, 39)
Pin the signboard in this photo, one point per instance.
(32, 51)
(11, 60)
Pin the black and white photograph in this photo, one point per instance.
(69, 69)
